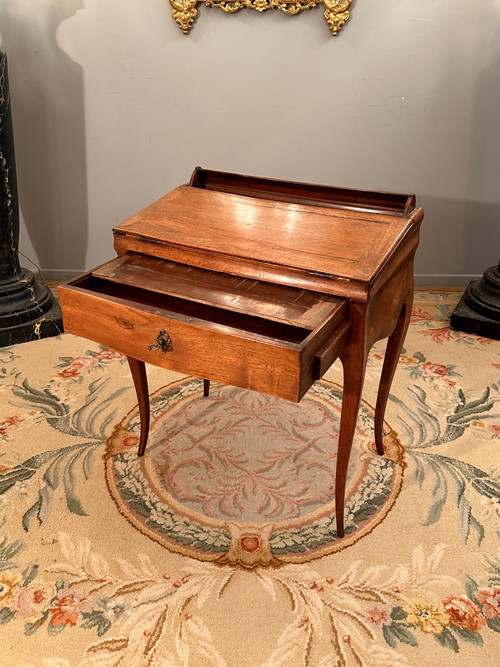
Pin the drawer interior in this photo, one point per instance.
(271, 302)
(191, 311)
(217, 300)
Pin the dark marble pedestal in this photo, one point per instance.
(479, 309)
(28, 310)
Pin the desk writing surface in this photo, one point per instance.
(319, 239)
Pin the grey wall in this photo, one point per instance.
(113, 106)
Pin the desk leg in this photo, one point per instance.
(138, 370)
(394, 345)
(354, 363)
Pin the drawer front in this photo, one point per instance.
(206, 350)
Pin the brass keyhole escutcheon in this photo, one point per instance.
(163, 342)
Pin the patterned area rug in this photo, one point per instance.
(219, 547)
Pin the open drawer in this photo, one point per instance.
(270, 338)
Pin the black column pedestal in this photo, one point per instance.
(28, 310)
(479, 309)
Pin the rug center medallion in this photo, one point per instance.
(246, 478)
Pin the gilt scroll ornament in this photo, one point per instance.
(336, 11)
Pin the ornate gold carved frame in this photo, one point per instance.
(336, 11)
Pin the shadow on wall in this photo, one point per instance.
(483, 224)
(49, 130)
(463, 236)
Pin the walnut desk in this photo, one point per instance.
(257, 283)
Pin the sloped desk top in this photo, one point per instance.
(331, 239)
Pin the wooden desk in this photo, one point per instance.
(260, 284)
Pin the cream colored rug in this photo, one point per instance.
(219, 546)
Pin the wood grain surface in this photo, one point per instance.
(278, 303)
(252, 352)
(349, 244)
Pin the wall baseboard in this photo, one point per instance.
(58, 275)
(444, 279)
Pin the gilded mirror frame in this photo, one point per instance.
(336, 12)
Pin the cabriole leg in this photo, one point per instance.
(138, 370)
(393, 350)
(354, 373)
